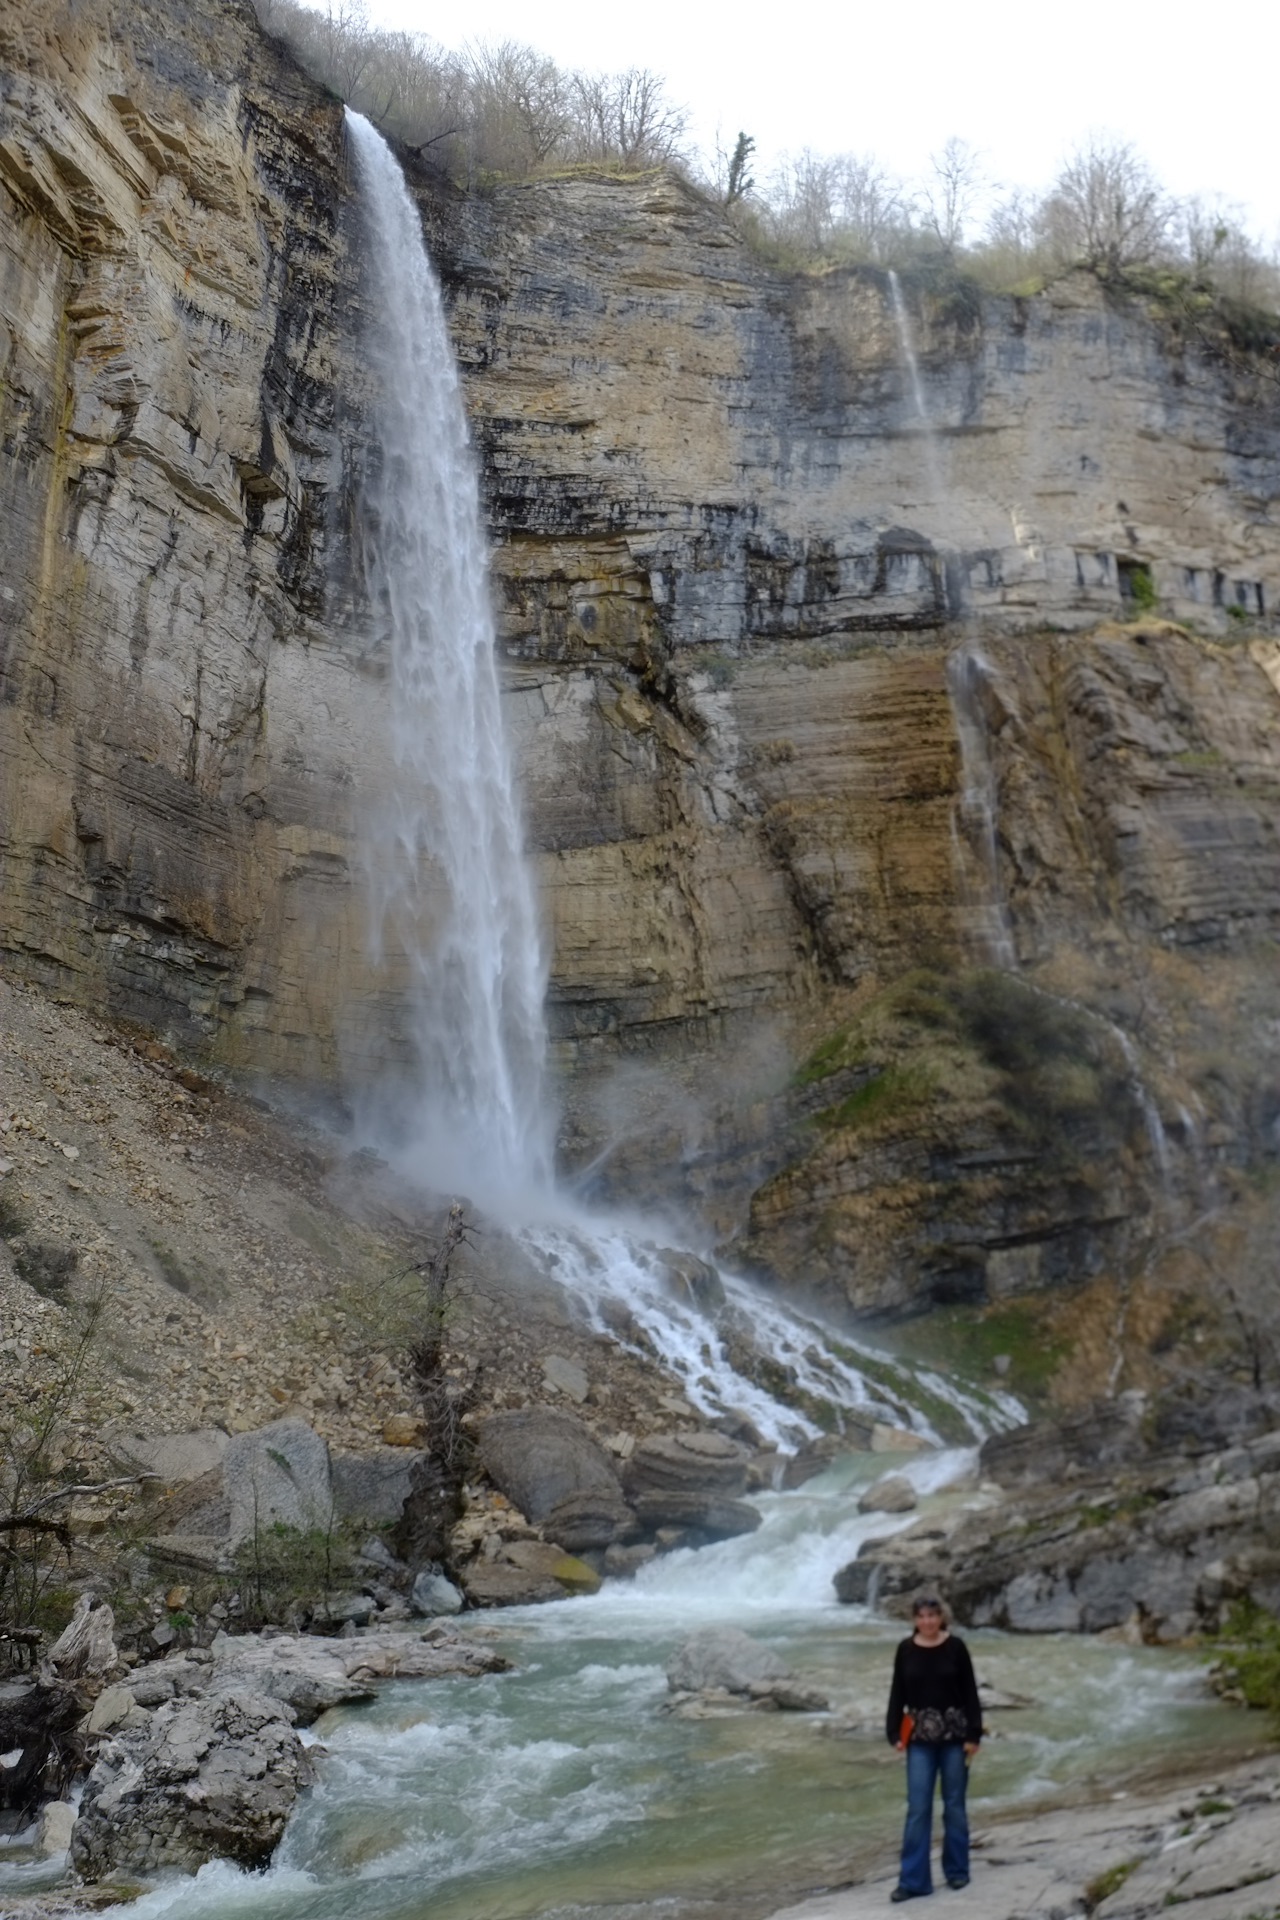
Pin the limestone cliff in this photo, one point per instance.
(735, 574)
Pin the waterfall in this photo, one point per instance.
(452, 887)
(906, 346)
(973, 820)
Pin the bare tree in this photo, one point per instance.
(839, 206)
(953, 191)
(520, 106)
(626, 119)
(1106, 210)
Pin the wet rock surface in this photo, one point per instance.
(1157, 1546)
(1209, 1851)
(720, 1664)
(208, 1779)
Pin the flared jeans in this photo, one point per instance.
(925, 1765)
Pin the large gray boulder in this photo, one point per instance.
(279, 1474)
(687, 1463)
(594, 1518)
(175, 1457)
(371, 1488)
(214, 1778)
(726, 1660)
(723, 1657)
(538, 1456)
(706, 1513)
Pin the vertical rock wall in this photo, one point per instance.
(730, 564)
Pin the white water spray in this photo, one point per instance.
(452, 887)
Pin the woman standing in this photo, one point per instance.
(935, 1717)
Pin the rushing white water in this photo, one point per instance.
(453, 889)
(607, 1265)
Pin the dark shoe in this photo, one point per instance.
(905, 1893)
(960, 1880)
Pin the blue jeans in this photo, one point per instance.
(925, 1764)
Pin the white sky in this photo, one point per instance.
(1193, 88)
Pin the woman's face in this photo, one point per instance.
(928, 1623)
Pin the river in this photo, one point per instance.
(564, 1789)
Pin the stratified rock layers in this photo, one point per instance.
(729, 566)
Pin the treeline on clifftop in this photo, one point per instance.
(504, 111)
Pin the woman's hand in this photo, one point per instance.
(970, 1748)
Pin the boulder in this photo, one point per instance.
(301, 1672)
(594, 1518)
(817, 1455)
(371, 1488)
(541, 1556)
(567, 1377)
(279, 1474)
(537, 1456)
(208, 1779)
(497, 1583)
(432, 1594)
(114, 1707)
(896, 1440)
(708, 1514)
(725, 1658)
(53, 1835)
(175, 1457)
(687, 1463)
(892, 1493)
(622, 1563)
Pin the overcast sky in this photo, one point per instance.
(1193, 88)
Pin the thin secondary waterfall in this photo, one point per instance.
(454, 890)
(973, 820)
(907, 347)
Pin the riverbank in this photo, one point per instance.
(1209, 1846)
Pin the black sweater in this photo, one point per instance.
(938, 1678)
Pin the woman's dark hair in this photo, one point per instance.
(923, 1600)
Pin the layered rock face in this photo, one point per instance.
(735, 575)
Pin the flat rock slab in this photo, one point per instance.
(309, 1674)
(1164, 1853)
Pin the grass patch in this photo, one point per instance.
(1249, 1651)
(1109, 1881)
(966, 1339)
(894, 1091)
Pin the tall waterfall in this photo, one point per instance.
(454, 892)
(453, 888)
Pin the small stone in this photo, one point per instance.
(886, 1439)
(112, 1706)
(401, 1430)
(7, 1166)
(432, 1594)
(566, 1376)
(893, 1493)
(53, 1835)
(1001, 1363)
(164, 1635)
(70, 1153)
